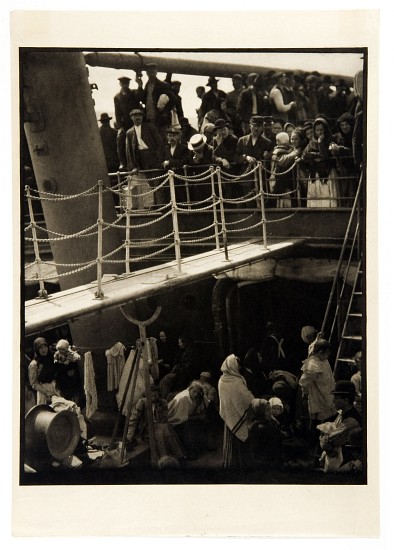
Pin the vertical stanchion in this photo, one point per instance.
(174, 210)
(215, 213)
(224, 230)
(42, 293)
(263, 218)
(127, 237)
(119, 189)
(187, 188)
(99, 292)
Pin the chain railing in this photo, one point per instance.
(157, 195)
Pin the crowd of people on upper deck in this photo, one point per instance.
(305, 128)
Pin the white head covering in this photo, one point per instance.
(282, 138)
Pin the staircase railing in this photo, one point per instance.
(355, 245)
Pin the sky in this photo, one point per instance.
(346, 64)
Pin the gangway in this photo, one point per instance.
(69, 305)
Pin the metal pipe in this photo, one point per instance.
(99, 292)
(224, 230)
(263, 217)
(137, 62)
(42, 292)
(215, 214)
(175, 221)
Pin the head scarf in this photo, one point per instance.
(47, 371)
(258, 406)
(234, 398)
(275, 401)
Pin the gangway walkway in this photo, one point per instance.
(69, 305)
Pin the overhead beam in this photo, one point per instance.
(137, 62)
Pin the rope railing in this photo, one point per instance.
(172, 181)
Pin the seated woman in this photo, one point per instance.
(183, 372)
(167, 442)
(42, 372)
(264, 436)
(187, 413)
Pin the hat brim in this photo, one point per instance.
(191, 148)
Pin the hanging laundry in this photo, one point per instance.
(116, 362)
(90, 385)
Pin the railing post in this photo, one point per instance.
(99, 292)
(224, 230)
(187, 188)
(263, 218)
(215, 214)
(174, 209)
(42, 293)
(127, 235)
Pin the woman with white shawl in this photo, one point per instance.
(234, 401)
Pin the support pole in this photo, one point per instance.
(175, 221)
(224, 230)
(187, 188)
(128, 219)
(148, 366)
(128, 382)
(42, 293)
(215, 213)
(261, 192)
(99, 292)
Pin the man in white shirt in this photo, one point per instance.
(143, 144)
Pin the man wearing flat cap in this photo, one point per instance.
(143, 144)
(238, 85)
(224, 143)
(211, 100)
(175, 153)
(250, 102)
(254, 146)
(278, 94)
(124, 102)
(108, 139)
(158, 99)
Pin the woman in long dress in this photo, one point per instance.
(318, 154)
(234, 402)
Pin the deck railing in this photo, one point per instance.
(149, 197)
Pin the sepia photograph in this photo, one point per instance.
(194, 268)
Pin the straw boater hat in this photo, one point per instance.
(50, 434)
(197, 142)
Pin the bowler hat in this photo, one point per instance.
(197, 142)
(124, 79)
(50, 434)
(176, 129)
(257, 119)
(345, 388)
(211, 80)
(136, 112)
(220, 123)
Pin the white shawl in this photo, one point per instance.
(234, 398)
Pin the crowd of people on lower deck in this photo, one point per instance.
(269, 410)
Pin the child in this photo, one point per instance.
(283, 157)
(67, 372)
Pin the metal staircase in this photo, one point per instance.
(347, 319)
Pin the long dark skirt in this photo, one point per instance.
(235, 452)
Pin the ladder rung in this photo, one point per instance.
(355, 314)
(353, 337)
(345, 359)
(357, 293)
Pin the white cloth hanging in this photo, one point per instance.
(140, 384)
(90, 385)
(115, 365)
